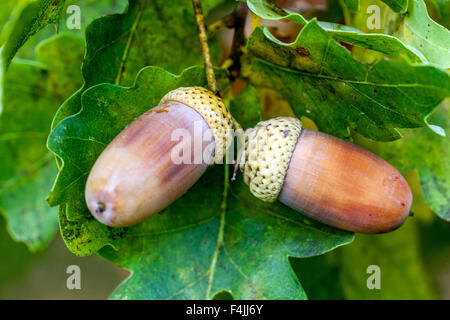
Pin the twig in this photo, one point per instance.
(209, 69)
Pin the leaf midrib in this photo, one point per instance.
(317, 75)
(128, 45)
(220, 235)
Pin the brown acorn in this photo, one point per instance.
(136, 175)
(327, 179)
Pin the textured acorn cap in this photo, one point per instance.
(213, 111)
(267, 154)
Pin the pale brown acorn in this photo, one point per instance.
(327, 179)
(136, 177)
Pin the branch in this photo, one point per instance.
(209, 69)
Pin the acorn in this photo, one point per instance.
(139, 173)
(323, 177)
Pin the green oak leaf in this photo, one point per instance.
(34, 17)
(148, 32)
(201, 241)
(321, 80)
(371, 11)
(78, 152)
(319, 276)
(428, 154)
(31, 93)
(194, 250)
(417, 29)
(160, 33)
(386, 44)
(89, 10)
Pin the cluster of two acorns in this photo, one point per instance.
(318, 175)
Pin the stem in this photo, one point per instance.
(209, 69)
(220, 235)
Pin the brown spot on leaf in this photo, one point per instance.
(302, 51)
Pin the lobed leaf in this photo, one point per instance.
(321, 80)
(34, 17)
(427, 153)
(193, 250)
(407, 154)
(417, 29)
(89, 10)
(79, 139)
(200, 244)
(386, 44)
(158, 33)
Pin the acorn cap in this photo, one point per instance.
(213, 111)
(267, 154)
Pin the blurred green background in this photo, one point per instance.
(42, 275)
